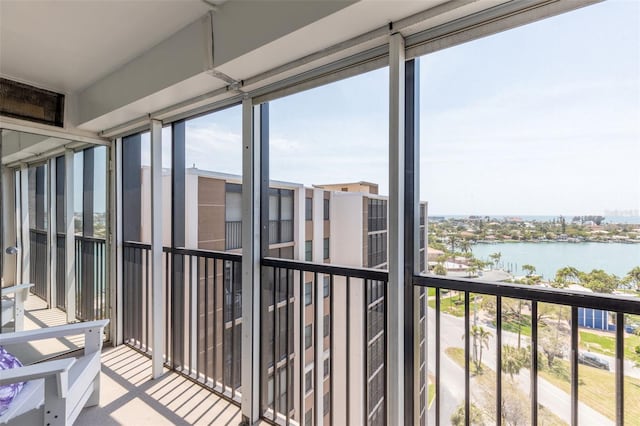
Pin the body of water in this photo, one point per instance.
(568, 218)
(548, 257)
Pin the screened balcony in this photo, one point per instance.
(312, 236)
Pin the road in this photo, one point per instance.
(452, 376)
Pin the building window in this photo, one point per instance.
(327, 325)
(308, 251)
(326, 403)
(280, 215)
(327, 368)
(377, 249)
(308, 293)
(326, 248)
(308, 417)
(326, 286)
(308, 208)
(326, 209)
(308, 381)
(377, 210)
(308, 334)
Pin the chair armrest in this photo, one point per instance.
(15, 288)
(36, 371)
(86, 328)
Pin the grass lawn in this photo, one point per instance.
(487, 382)
(597, 390)
(596, 342)
(452, 305)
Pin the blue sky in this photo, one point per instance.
(542, 119)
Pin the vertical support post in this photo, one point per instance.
(395, 303)
(620, 368)
(156, 248)
(87, 248)
(574, 366)
(24, 207)
(251, 251)
(411, 243)
(70, 256)
(9, 216)
(53, 232)
(116, 227)
(178, 263)
(2, 225)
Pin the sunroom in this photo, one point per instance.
(315, 213)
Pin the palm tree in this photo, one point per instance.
(475, 415)
(495, 257)
(530, 269)
(565, 275)
(480, 338)
(439, 269)
(633, 277)
(512, 360)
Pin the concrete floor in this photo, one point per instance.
(128, 394)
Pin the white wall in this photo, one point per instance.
(345, 243)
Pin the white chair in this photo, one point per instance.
(55, 391)
(13, 307)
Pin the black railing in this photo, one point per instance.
(92, 295)
(39, 262)
(280, 231)
(202, 313)
(356, 343)
(233, 235)
(61, 269)
(522, 328)
(136, 295)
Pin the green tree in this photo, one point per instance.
(553, 343)
(513, 360)
(476, 416)
(599, 281)
(530, 269)
(495, 257)
(564, 276)
(439, 269)
(480, 338)
(633, 278)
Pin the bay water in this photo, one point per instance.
(548, 257)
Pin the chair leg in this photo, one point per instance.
(94, 399)
(18, 316)
(55, 407)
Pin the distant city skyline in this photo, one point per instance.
(543, 119)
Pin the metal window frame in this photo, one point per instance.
(394, 330)
(157, 361)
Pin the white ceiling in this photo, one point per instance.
(66, 45)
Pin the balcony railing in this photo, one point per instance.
(469, 336)
(92, 296)
(61, 255)
(38, 263)
(280, 231)
(202, 313)
(533, 367)
(233, 235)
(355, 348)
